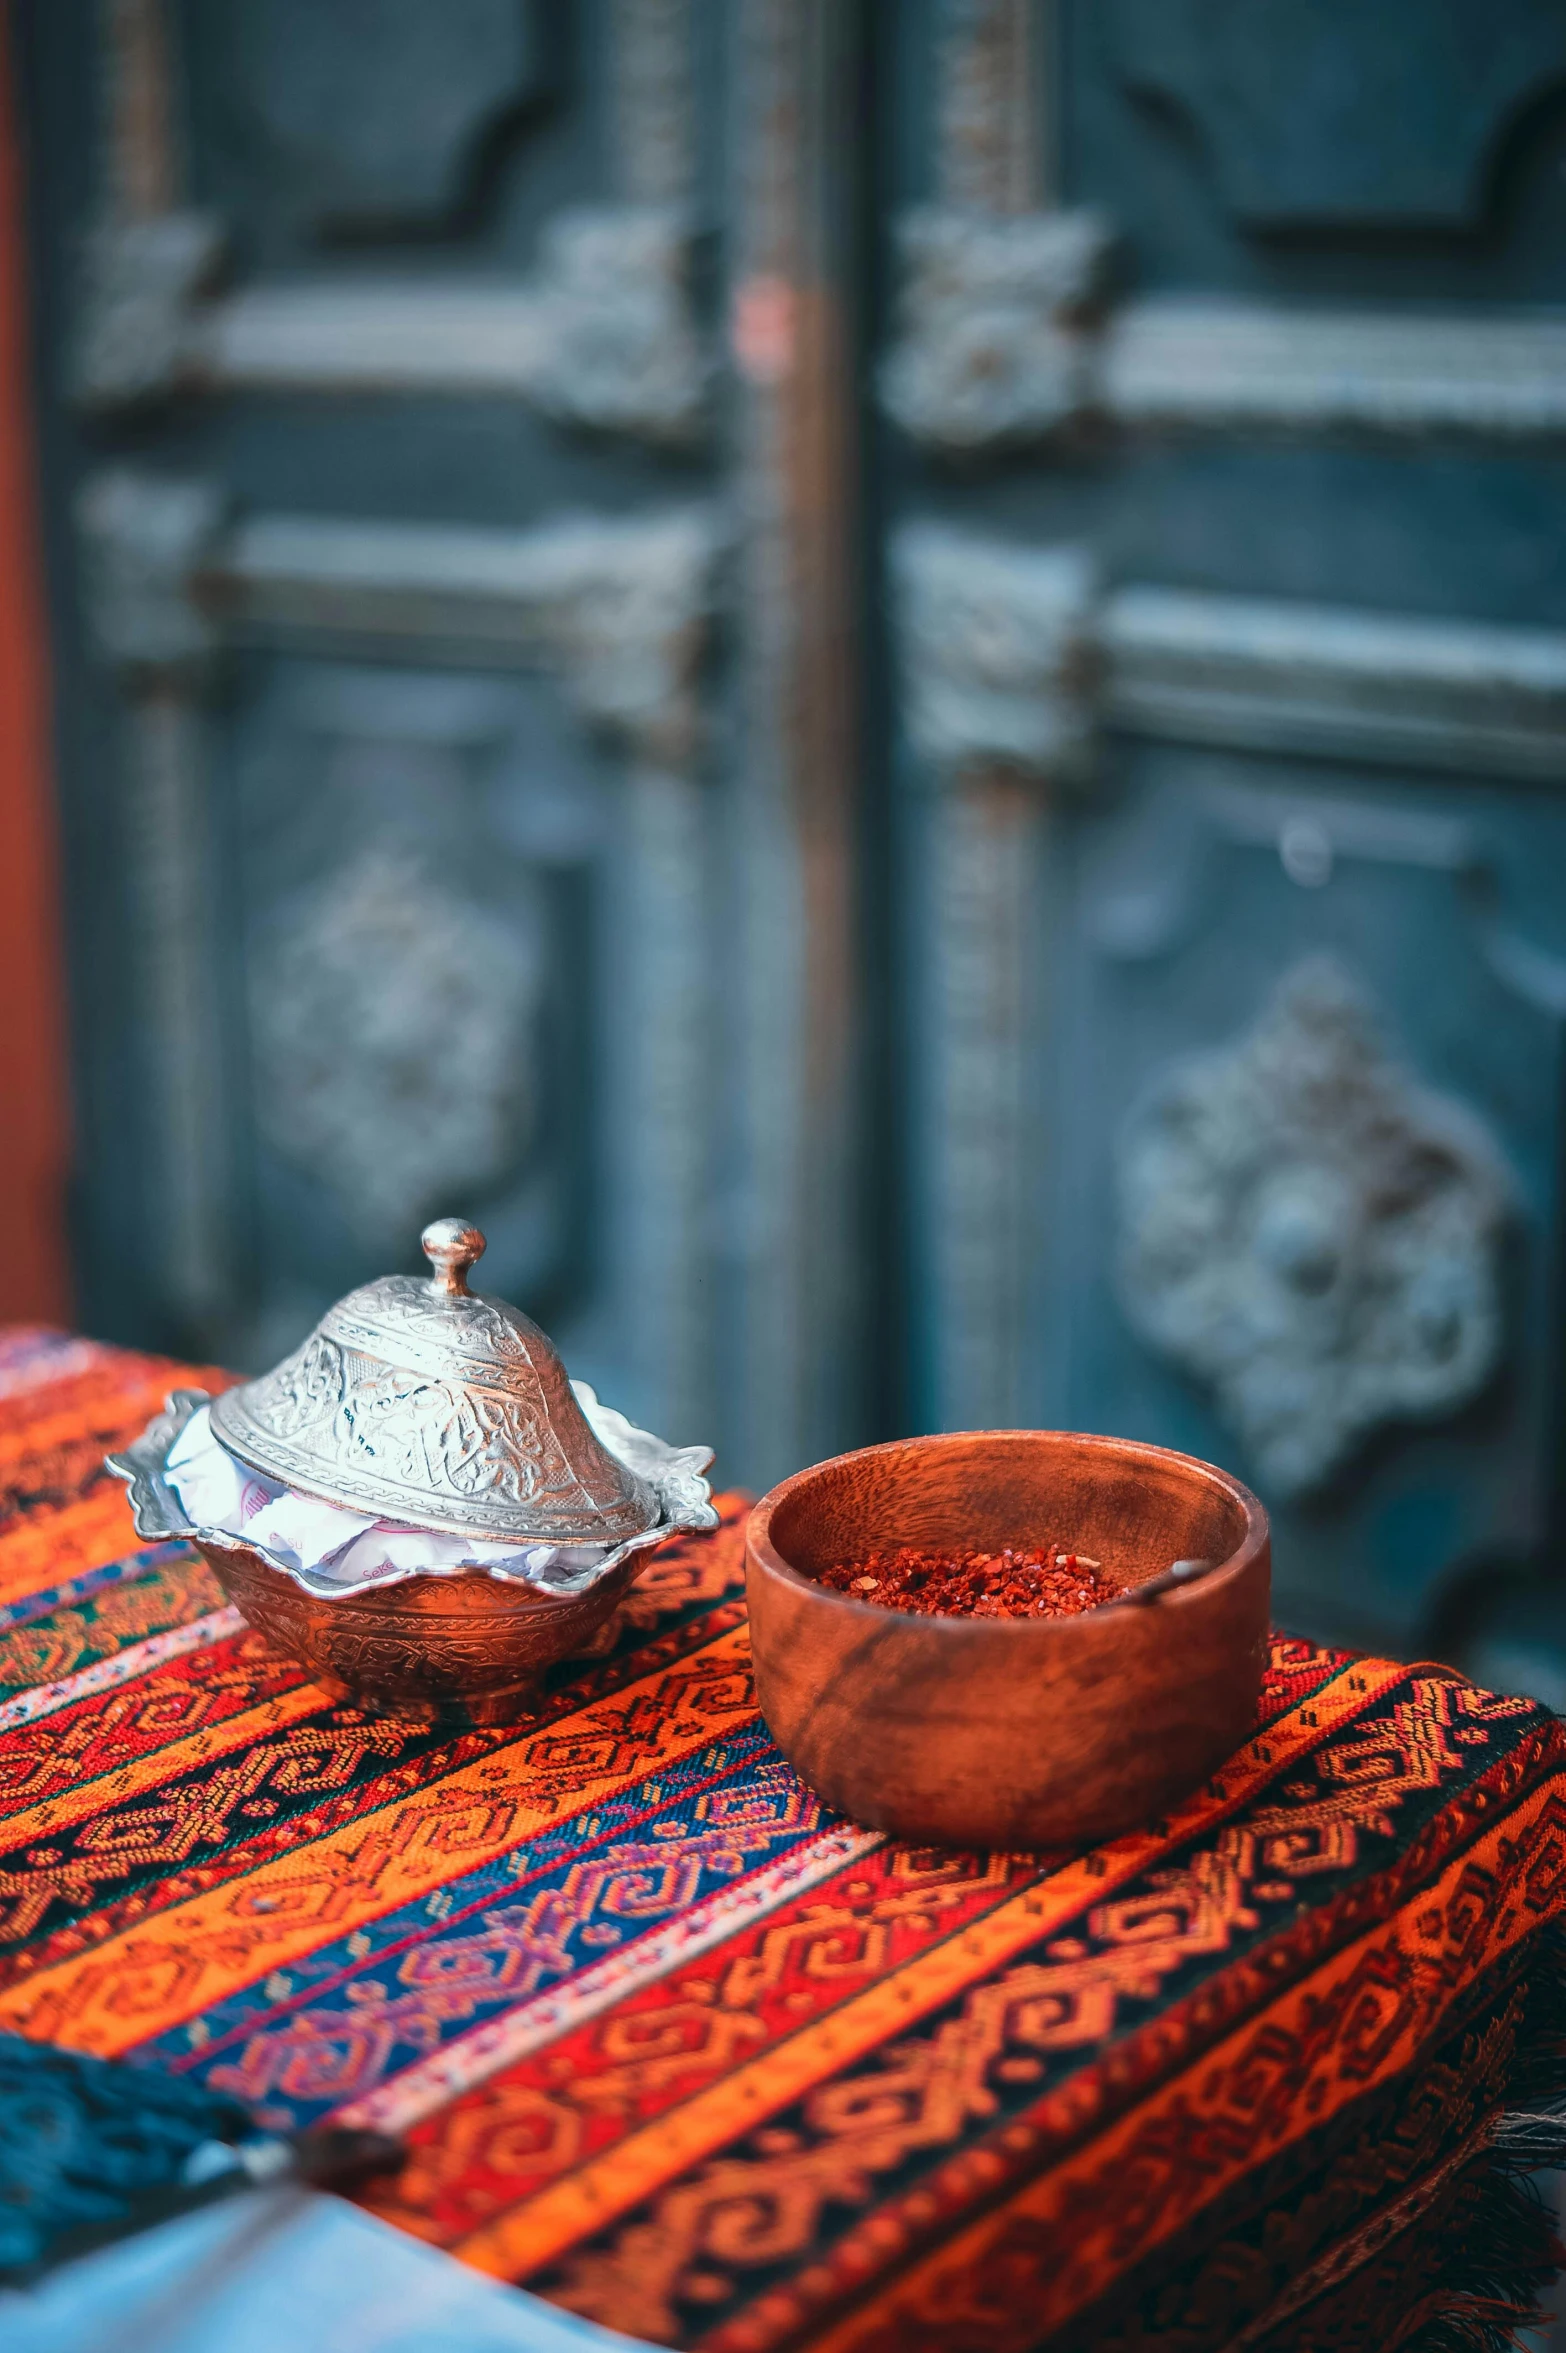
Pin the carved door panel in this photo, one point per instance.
(455, 422)
(1225, 400)
(389, 478)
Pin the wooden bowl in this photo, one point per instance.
(461, 1650)
(1010, 1732)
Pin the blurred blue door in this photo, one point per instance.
(887, 679)
(1225, 391)
(457, 735)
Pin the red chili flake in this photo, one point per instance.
(1021, 1581)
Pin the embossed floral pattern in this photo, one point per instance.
(1313, 1234)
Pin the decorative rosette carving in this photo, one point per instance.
(1313, 1234)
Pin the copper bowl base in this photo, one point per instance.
(465, 1650)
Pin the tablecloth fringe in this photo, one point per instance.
(1508, 2251)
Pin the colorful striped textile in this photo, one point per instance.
(676, 2048)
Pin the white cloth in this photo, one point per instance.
(333, 1550)
(290, 2268)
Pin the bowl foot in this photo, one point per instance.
(481, 1712)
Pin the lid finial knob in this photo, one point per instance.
(451, 1245)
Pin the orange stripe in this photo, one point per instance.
(58, 1647)
(59, 1541)
(88, 1416)
(542, 2227)
(162, 1765)
(1235, 2109)
(89, 1405)
(149, 1979)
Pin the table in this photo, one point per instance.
(685, 2053)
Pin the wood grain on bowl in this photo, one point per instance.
(1009, 1732)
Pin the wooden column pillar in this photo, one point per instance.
(796, 148)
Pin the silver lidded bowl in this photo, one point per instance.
(441, 1410)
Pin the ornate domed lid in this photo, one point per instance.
(426, 1402)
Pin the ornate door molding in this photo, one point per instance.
(600, 334)
(1009, 330)
(618, 612)
(1017, 663)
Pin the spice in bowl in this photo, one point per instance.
(1021, 1581)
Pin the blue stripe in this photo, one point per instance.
(493, 1938)
(34, 1606)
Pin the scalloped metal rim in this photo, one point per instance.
(156, 1511)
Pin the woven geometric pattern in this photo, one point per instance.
(679, 2049)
